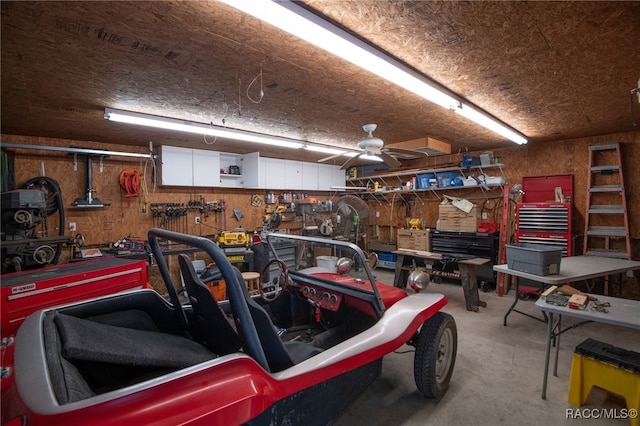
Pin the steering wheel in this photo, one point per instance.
(281, 281)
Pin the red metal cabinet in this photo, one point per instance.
(26, 292)
(545, 223)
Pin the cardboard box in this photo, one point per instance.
(578, 301)
(414, 239)
(453, 219)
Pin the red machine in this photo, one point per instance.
(26, 292)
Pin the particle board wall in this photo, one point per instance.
(540, 159)
(128, 217)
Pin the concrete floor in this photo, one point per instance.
(497, 377)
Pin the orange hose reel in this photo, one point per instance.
(130, 182)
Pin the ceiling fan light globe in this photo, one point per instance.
(371, 143)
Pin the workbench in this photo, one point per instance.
(467, 267)
(622, 312)
(572, 269)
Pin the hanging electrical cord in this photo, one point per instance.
(632, 112)
(261, 93)
(225, 109)
(143, 181)
(489, 205)
(239, 103)
(215, 138)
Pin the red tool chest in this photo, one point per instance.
(545, 223)
(26, 292)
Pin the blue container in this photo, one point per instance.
(424, 180)
(387, 257)
(449, 179)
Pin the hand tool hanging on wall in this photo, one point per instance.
(170, 216)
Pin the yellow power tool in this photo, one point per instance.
(415, 223)
(234, 238)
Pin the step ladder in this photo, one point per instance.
(606, 220)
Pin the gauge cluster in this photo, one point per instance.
(325, 299)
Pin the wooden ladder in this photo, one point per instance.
(606, 220)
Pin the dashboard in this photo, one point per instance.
(324, 299)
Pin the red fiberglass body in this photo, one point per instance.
(301, 351)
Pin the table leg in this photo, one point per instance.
(470, 287)
(555, 363)
(397, 277)
(546, 355)
(515, 302)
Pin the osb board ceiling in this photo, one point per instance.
(552, 70)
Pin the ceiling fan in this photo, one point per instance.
(374, 147)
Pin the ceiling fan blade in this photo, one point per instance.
(331, 157)
(390, 161)
(408, 152)
(350, 162)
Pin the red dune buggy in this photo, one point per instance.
(299, 352)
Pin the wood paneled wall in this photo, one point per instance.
(132, 216)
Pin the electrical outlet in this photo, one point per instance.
(197, 220)
(484, 215)
(377, 213)
(72, 226)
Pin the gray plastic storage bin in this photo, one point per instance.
(534, 259)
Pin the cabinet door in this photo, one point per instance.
(176, 166)
(274, 169)
(252, 174)
(338, 178)
(310, 172)
(325, 176)
(206, 168)
(292, 174)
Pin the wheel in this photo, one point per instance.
(279, 279)
(372, 260)
(435, 355)
(78, 240)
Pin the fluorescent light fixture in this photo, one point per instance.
(304, 24)
(489, 123)
(325, 149)
(198, 128)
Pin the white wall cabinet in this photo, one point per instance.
(199, 167)
(189, 167)
(330, 176)
(339, 178)
(228, 179)
(299, 175)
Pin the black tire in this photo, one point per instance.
(435, 355)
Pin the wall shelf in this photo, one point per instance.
(397, 181)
